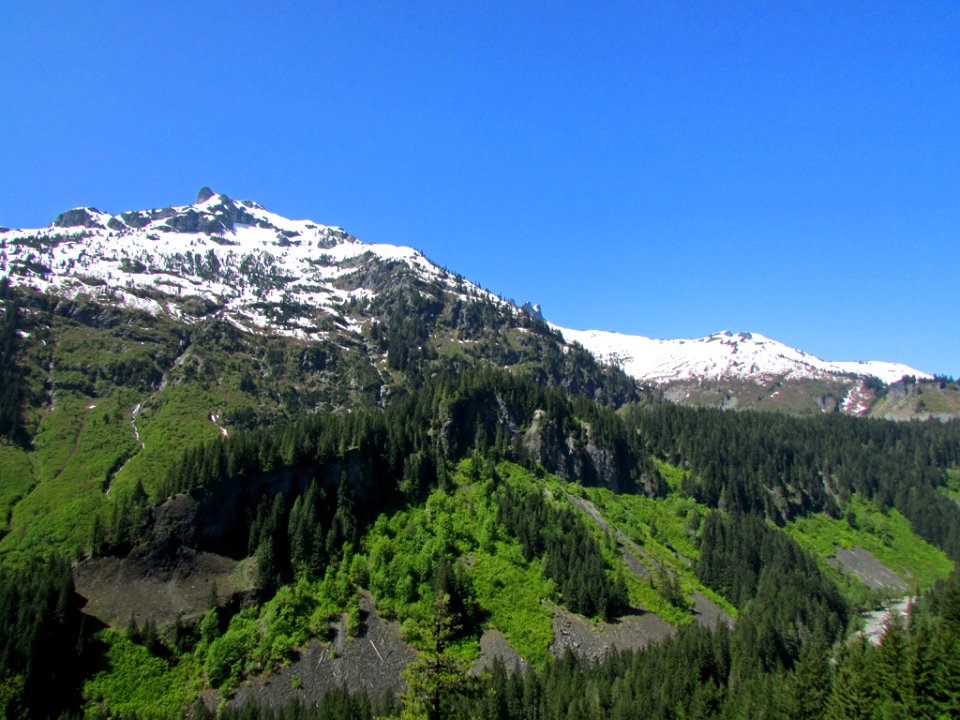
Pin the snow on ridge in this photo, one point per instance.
(888, 372)
(248, 259)
(720, 356)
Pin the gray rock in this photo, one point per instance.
(78, 217)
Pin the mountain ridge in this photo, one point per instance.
(245, 260)
(248, 262)
(723, 355)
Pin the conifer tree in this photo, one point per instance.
(437, 681)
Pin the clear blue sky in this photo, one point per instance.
(667, 169)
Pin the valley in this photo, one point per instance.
(248, 461)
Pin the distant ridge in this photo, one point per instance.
(723, 356)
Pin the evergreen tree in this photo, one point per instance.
(437, 681)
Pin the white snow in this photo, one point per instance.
(721, 356)
(886, 371)
(243, 269)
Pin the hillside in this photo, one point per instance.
(252, 460)
(750, 371)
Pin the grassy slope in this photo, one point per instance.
(134, 681)
(396, 560)
(16, 479)
(952, 489)
(80, 444)
(178, 418)
(930, 399)
(888, 537)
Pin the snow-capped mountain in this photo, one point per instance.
(722, 356)
(259, 270)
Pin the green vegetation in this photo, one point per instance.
(10, 374)
(784, 467)
(43, 640)
(176, 418)
(454, 544)
(82, 445)
(664, 533)
(403, 461)
(887, 536)
(16, 480)
(135, 682)
(952, 488)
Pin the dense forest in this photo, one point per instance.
(779, 466)
(9, 372)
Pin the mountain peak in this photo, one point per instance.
(260, 270)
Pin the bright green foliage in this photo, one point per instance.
(363, 496)
(82, 445)
(259, 639)
(783, 467)
(16, 479)
(233, 653)
(573, 557)
(952, 488)
(178, 418)
(665, 533)
(454, 543)
(135, 681)
(888, 536)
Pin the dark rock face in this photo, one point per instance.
(174, 526)
(78, 217)
(576, 457)
(138, 219)
(205, 194)
(216, 519)
(532, 310)
(217, 219)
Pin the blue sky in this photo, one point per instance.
(665, 169)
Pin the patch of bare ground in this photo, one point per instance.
(634, 565)
(708, 613)
(593, 640)
(873, 573)
(371, 662)
(493, 646)
(118, 588)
